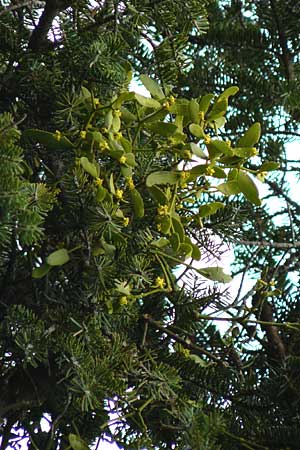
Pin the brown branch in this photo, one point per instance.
(181, 340)
(264, 313)
(39, 35)
(286, 56)
(283, 245)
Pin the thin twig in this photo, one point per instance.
(283, 245)
(243, 276)
(181, 340)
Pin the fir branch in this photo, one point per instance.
(265, 314)
(14, 7)
(286, 56)
(39, 34)
(182, 341)
(283, 245)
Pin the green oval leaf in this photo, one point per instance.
(230, 188)
(153, 87)
(116, 124)
(165, 224)
(89, 167)
(219, 173)
(163, 128)
(130, 159)
(185, 250)
(182, 108)
(127, 116)
(210, 208)
(232, 90)
(40, 272)
(268, 166)
(58, 258)
(200, 169)
(126, 171)
(108, 248)
(196, 150)
(101, 194)
(52, 141)
(248, 187)
(178, 228)
(162, 177)
(197, 131)
(218, 110)
(108, 119)
(175, 242)
(196, 253)
(126, 144)
(243, 152)
(217, 148)
(122, 98)
(146, 101)
(251, 137)
(219, 123)
(137, 203)
(194, 111)
(77, 443)
(158, 195)
(215, 274)
(205, 102)
(161, 242)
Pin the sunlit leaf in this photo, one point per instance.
(89, 167)
(197, 131)
(210, 208)
(77, 443)
(153, 87)
(40, 272)
(215, 274)
(137, 203)
(148, 102)
(268, 166)
(251, 137)
(162, 177)
(248, 187)
(58, 258)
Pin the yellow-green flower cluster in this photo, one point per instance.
(103, 146)
(119, 194)
(160, 282)
(163, 210)
(130, 183)
(98, 181)
(58, 135)
(126, 221)
(210, 171)
(117, 135)
(123, 301)
(123, 159)
(117, 113)
(185, 352)
(207, 140)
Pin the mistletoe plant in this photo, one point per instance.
(100, 305)
(117, 154)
